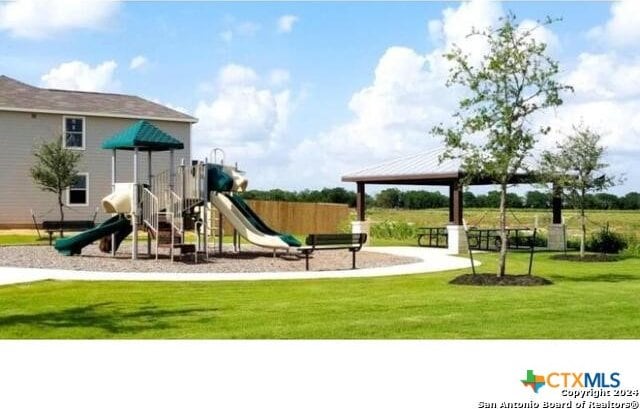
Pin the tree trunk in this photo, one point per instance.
(583, 226)
(61, 205)
(502, 262)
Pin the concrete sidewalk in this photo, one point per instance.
(432, 260)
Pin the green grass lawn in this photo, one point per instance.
(22, 239)
(588, 300)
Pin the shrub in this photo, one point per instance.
(525, 241)
(633, 248)
(393, 230)
(573, 244)
(606, 241)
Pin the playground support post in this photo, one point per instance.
(134, 209)
(113, 189)
(205, 207)
(150, 179)
(172, 172)
(220, 232)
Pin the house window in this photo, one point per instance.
(78, 192)
(74, 130)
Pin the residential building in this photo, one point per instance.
(31, 115)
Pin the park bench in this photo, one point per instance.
(51, 226)
(352, 242)
(432, 236)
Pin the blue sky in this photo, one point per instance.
(300, 93)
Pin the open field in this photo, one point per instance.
(626, 222)
(587, 300)
(623, 221)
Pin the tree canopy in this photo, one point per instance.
(492, 133)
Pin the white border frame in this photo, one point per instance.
(84, 132)
(69, 204)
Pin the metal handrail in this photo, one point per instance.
(151, 214)
(176, 209)
(161, 187)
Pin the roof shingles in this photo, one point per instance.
(18, 96)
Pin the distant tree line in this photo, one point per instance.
(326, 195)
(420, 199)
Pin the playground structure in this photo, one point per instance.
(194, 196)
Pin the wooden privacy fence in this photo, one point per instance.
(299, 218)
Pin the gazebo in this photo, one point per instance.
(426, 169)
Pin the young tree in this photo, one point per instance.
(55, 170)
(492, 134)
(578, 169)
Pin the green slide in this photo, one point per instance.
(218, 179)
(118, 225)
(257, 222)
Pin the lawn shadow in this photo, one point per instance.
(104, 316)
(598, 278)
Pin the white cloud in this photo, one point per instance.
(393, 115)
(138, 62)
(605, 76)
(238, 29)
(286, 23)
(279, 77)
(40, 18)
(244, 118)
(456, 24)
(607, 98)
(623, 27)
(78, 75)
(234, 75)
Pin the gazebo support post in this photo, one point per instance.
(360, 201)
(456, 237)
(361, 225)
(556, 240)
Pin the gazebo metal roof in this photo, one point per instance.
(145, 137)
(423, 168)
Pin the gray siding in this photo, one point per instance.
(20, 132)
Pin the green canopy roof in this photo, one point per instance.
(145, 137)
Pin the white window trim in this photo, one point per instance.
(84, 132)
(69, 204)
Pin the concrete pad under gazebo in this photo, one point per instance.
(426, 169)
